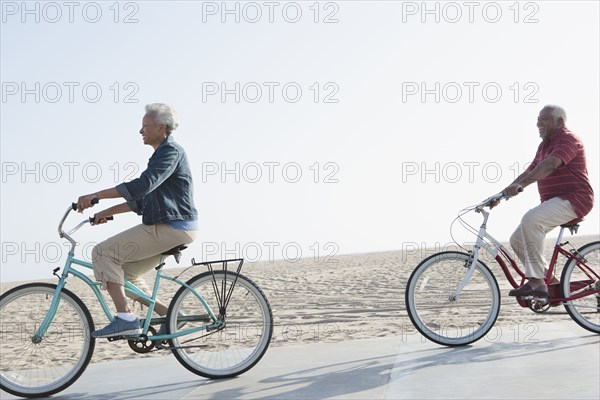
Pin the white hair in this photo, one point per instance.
(557, 112)
(163, 114)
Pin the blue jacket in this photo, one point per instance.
(164, 191)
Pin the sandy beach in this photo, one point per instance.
(351, 297)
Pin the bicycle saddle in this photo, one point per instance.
(175, 252)
(572, 226)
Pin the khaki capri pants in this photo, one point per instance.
(132, 253)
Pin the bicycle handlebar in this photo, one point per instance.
(89, 220)
(95, 201)
(497, 197)
(491, 199)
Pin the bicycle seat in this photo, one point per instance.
(572, 226)
(175, 252)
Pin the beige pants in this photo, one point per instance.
(528, 239)
(132, 253)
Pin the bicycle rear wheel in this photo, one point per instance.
(576, 279)
(233, 349)
(31, 369)
(439, 317)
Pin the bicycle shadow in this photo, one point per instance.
(164, 391)
(346, 378)
(493, 352)
(353, 377)
(325, 381)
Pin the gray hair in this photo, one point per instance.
(557, 112)
(163, 114)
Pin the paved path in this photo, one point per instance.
(562, 359)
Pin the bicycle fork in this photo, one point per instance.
(474, 256)
(49, 318)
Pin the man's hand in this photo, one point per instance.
(493, 204)
(512, 190)
(508, 192)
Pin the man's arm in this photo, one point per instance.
(546, 167)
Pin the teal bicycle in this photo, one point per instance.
(219, 324)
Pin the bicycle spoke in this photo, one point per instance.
(437, 314)
(29, 368)
(576, 280)
(246, 328)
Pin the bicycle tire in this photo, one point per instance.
(30, 369)
(443, 320)
(227, 352)
(585, 311)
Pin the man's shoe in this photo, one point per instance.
(527, 290)
(119, 327)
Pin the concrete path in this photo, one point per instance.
(560, 360)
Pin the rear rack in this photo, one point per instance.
(209, 264)
(222, 292)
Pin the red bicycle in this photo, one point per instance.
(453, 298)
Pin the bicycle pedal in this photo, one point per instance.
(114, 338)
(540, 300)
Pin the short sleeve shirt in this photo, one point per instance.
(569, 181)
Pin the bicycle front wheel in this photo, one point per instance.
(579, 279)
(433, 308)
(36, 368)
(237, 346)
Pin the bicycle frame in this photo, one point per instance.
(488, 243)
(129, 288)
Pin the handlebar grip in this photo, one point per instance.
(91, 219)
(95, 201)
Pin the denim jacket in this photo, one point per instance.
(164, 191)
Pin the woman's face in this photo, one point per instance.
(152, 133)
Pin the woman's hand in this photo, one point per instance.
(102, 217)
(85, 202)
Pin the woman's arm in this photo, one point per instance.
(102, 216)
(86, 201)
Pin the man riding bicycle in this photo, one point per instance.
(560, 169)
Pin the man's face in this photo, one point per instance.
(548, 124)
(152, 133)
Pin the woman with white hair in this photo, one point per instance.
(163, 196)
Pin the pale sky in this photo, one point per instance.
(314, 129)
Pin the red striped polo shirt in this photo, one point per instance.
(570, 180)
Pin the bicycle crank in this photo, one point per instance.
(538, 306)
(142, 344)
